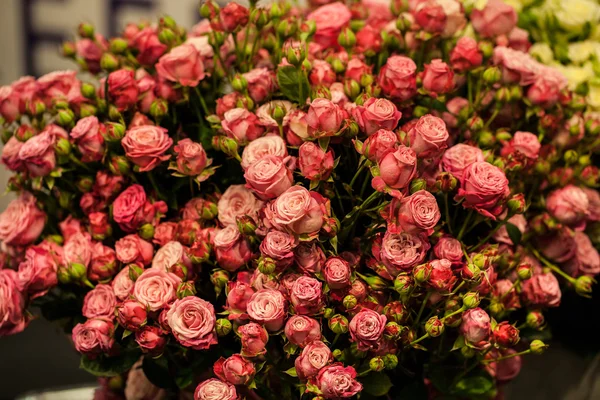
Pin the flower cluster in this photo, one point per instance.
(286, 202)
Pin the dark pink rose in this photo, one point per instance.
(516, 66)
(122, 284)
(542, 290)
(496, 18)
(91, 52)
(270, 176)
(475, 326)
(214, 389)
(337, 273)
(99, 302)
(366, 328)
(192, 322)
(9, 103)
(441, 278)
(338, 382)
(459, 157)
(261, 147)
(307, 295)
(547, 88)
(191, 157)
(484, 188)
(238, 295)
(164, 233)
(146, 146)
(182, 65)
(87, 134)
(254, 339)
(235, 369)
(402, 251)
(280, 247)
(398, 78)
(430, 15)
(268, 307)
(232, 16)
(429, 136)
(330, 19)
(150, 339)
(449, 249)
(569, 205)
(298, 211)
(261, 83)
(37, 273)
(37, 154)
(559, 246)
(226, 103)
(509, 368)
(416, 213)
(315, 164)
(315, 356)
(438, 78)
(149, 47)
(324, 118)
(376, 114)
(133, 249)
(107, 185)
(466, 55)
(123, 89)
(103, 265)
(356, 68)
(131, 209)
(525, 143)
(301, 330)
(398, 167)
(322, 73)
(378, 144)
(368, 39)
(237, 201)
(94, 337)
(10, 154)
(155, 288)
(241, 125)
(22, 221)
(13, 318)
(232, 250)
(309, 257)
(99, 225)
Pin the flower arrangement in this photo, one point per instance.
(366, 199)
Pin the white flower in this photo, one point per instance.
(543, 52)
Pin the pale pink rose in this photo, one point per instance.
(330, 19)
(313, 358)
(501, 236)
(402, 251)
(299, 211)
(237, 201)
(192, 322)
(324, 118)
(336, 381)
(37, 154)
(466, 55)
(449, 249)
(280, 247)
(484, 188)
(37, 273)
(516, 66)
(378, 144)
(397, 167)
(496, 18)
(366, 328)
(122, 284)
(191, 157)
(307, 295)
(547, 88)
(235, 370)
(155, 288)
(569, 205)
(459, 157)
(93, 337)
(22, 221)
(167, 256)
(13, 318)
(261, 147)
(301, 330)
(398, 78)
(542, 290)
(315, 164)
(525, 143)
(270, 176)
(9, 103)
(202, 45)
(297, 131)
(78, 249)
(232, 250)
(586, 260)
(337, 273)
(309, 257)
(376, 114)
(57, 85)
(134, 249)
(416, 213)
(241, 125)
(429, 136)
(99, 302)
(214, 389)
(261, 83)
(322, 73)
(475, 326)
(438, 77)
(149, 46)
(182, 65)
(138, 387)
(268, 307)
(10, 154)
(146, 146)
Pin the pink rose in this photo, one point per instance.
(525, 143)
(376, 114)
(192, 322)
(402, 251)
(496, 18)
(150, 339)
(99, 302)
(417, 213)
(254, 339)
(429, 136)
(518, 39)
(336, 381)
(298, 211)
(241, 125)
(261, 147)
(309, 257)
(182, 65)
(238, 295)
(99, 225)
(9, 103)
(232, 16)
(306, 295)
(315, 356)
(356, 68)
(475, 326)
(13, 318)
(322, 73)
(441, 278)
(232, 250)
(27, 90)
(123, 89)
(191, 157)
(93, 337)
(131, 209)
(214, 389)
(87, 134)
(509, 368)
(378, 144)
(164, 233)
(168, 257)
(324, 118)
(265, 115)
(107, 185)
(337, 273)
(330, 19)
(226, 103)
(270, 176)
(103, 264)
(155, 288)
(10, 154)
(37, 154)
(268, 307)
(235, 369)
(501, 236)
(559, 246)
(315, 164)
(542, 290)
(78, 249)
(516, 66)
(37, 273)
(261, 83)
(301, 330)
(146, 145)
(133, 249)
(547, 88)
(280, 247)
(439, 16)
(484, 189)
(398, 78)
(59, 85)
(366, 328)
(438, 78)
(149, 46)
(91, 52)
(586, 260)
(449, 249)
(465, 55)
(569, 205)
(237, 201)
(297, 131)
(459, 157)
(122, 284)
(22, 221)
(398, 167)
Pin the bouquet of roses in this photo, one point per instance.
(363, 199)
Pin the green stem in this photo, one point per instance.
(491, 119)
(425, 336)
(447, 211)
(489, 236)
(521, 353)
(155, 186)
(551, 266)
(464, 225)
(425, 300)
(456, 289)
(300, 91)
(463, 308)
(76, 161)
(339, 198)
(281, 131)
(202, 102)
(356, 175)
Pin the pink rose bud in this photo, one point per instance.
(496, 18)
(133, 249)
(438, 78)
(182, 65)
(298, 211)
(214, 389)
(356, 68)
(398, 167)
(441, 278)
(131, 209)
(337, 273)
(233, 16)
(376, 114)
(9, 103)
(301, 330)
(306, 295)
(465, 55)
(475, 326)
(238, 295)
(401, 251)
(155, 288)
(329, 19)
(505, 334)
(94, 336)
(398, 78)
(192, 322)
(322, 73)
(314, 163)
(150, 339)
(149, 47)
(241, 125)
(336, 381)
(38, 272)
(378, 144)
(279, 246)
(37, 154)
(122, 89)
(122, 284)
(254, 339)
(268, 307)
(429, 136)
(237, 202)
(315, 356)
(309, 257)
(484, 189)
(235, 369)
(232, 250)
(542, 290)
(569, 205)
(261, 83)
(131, 315)
(368, 39)
(99, 226)
(324, 118)
(146, 145)
(10, 154)
(99, 302)
(187, 231)
(191, 157)
(366, 328)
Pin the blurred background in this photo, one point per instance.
(41, 357)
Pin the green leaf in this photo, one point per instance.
(513, 233)
(473, 386)
(376, 384)
(291, 372)
(109, 366)
(324, 143)
(184, 378)
(459, 343)
(289, 81)
(126, 333)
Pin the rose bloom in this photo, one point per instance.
(547, 88)
(13, 319)
(459, 157)
(238, 295)
(542, 290)
(167, 256)
(503, 289)
(122, 284)
(484, 189)
(378, 144)
(569, 205)
(398, 167)
(330, 19)
(401, 251)
(306, 295)
(261, 147)
(398, 78)
(87, 134)
(324, 118)
(131, 315)
(191, 157)
(525, 143)
(309, 257)
(10, 154)
(214, 389)
(559, 246)
(516, 66)
(465, 55)
(441, 278)
(586, 260)
(99, 302)
(235, 370)
(232, 16)
(508, 368)
(376, 114)
(9, 103)
(232, 250)
(237, 201)
(298, 211)
(429, 136)
(37, 273)
(496, 18)
(133, 249)
(123, 89)
(78, 249)
(192, 322)
(93, 337)
(505, 334)
(366, 328)
(60, 85)
(270, 176)
(164, 233)
(336, 381)
(241, 125)
(182, 65)
(37, 154)
(261, 83)
(315, 164)
(254, 339)
(280, 247)
(322, 73)
(313, 358)
(268, 307)
(418, 212)
(438, 78)
(501, 236)
(475, 326)
(146, 146)
(337, 273)
(439, 16)
(368, 39)
(155, 288)
(356, 68)
(449, 249)
(150, 339)
(131, 208)
(265, 115)
(149, 46)
(301, 330)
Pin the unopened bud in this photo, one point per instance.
(375, 282)
(338, 355)
(114, 132)
(535, 320)
(393, 330)
(86, 30)
(85, 184)
(403, 284)
(486, 139)
(109, 62)
(119, 165)
(267, 265)
(146, 231)
(185, 289)
(118, 45)
(65, 117)
(86, 110)
(475, 123)
(167, 36)
(524, 271)
(63, 275)
(471, 300)
(516, 204)
(492, 75)
(583, 285)
(88, 90)
(159, 108)
(434, 326)
(338, 324)
(338, 66)
(77, 271)
(134, 271)
(420, 111)
(62, 147)
(351, 88)
(226, 145)
(571, 157)
(376, 364)
(68, 49)
(350, 302)
(276, 11)
(418, 184)
(347, 38)
(496, 307)
(467, 352)
(223, 327)
(390, 361)
(219, 278)
(421, 273)
(278, 114)
(446, 182)
(538, 347)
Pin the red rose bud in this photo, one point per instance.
(538, 347)
(219, 278)
(223, 327)
(524, 271)
(471, 300)
(517, 204)
(254, 337)
(395, 311)
(376, 364)
(151, 340)
(146, 231)
(434, 326)
(506, 335)
(393, 330)
(131, 315)
(134, 271)
(267, 265)
(187, 231)
(185, 289)
(246, 225)
(446, 182)
(84, 184)
(535, 320)
(391, 361)
(100, 228)
(338, 324)
(583, 285)
(63, 274)
(403, 284)
(350, 301)
(114, 132)
(24, 133)
(199, 252)
(421, 273)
